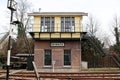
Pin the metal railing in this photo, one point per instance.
(95, 44)
(116, 59)
(4, 37)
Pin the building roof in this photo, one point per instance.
(23, 55)
(57, 13)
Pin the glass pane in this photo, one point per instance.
(62, 24)
(52, 24)
(47, 24)
(47, 57)
(67, 57)
(67, 24)
(42, 24)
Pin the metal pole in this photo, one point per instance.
(81, 35)
(9, 53)
(8, 59)
(9, 48)
(80, 53)
(12, 9)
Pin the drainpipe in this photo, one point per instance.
(80, 53)
(53, 63)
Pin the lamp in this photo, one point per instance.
(12, 5)
(16, 22)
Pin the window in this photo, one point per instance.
(67, 57)
(47, 58)
(67, 24)
(47, 24)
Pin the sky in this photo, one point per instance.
(102, 10)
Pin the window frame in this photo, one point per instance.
(67, 24)
(70, 55)
(49, 65)
(47, 24)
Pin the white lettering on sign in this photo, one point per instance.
(57, 44)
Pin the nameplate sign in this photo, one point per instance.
(57, 44)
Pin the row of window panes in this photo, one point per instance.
(67, 24)
(48, 57)
(47, 24)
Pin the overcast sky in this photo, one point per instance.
(103, 10)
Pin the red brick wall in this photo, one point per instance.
(57, 54)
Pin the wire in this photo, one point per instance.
(3, 33)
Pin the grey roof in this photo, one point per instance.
(57, 13)
(23, 54)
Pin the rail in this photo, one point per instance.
(109, 75)
(4, 37)
(95, 44)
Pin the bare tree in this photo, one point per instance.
(92, 25)
(116, 33)
(22, 43)
(89, 52)
(21, 14)
(106, 40)
(116, 26)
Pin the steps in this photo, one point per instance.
(95, 44)
(91, 40)
(116, 58)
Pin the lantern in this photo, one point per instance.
(12, 5)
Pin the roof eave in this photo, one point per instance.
(57, 13)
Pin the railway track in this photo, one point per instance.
(30, 75)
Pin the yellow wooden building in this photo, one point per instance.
(57, 40)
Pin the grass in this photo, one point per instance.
(104, 69)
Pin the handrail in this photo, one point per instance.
(95, 44)
(4, 37)
(115, 60)
(100, 50)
